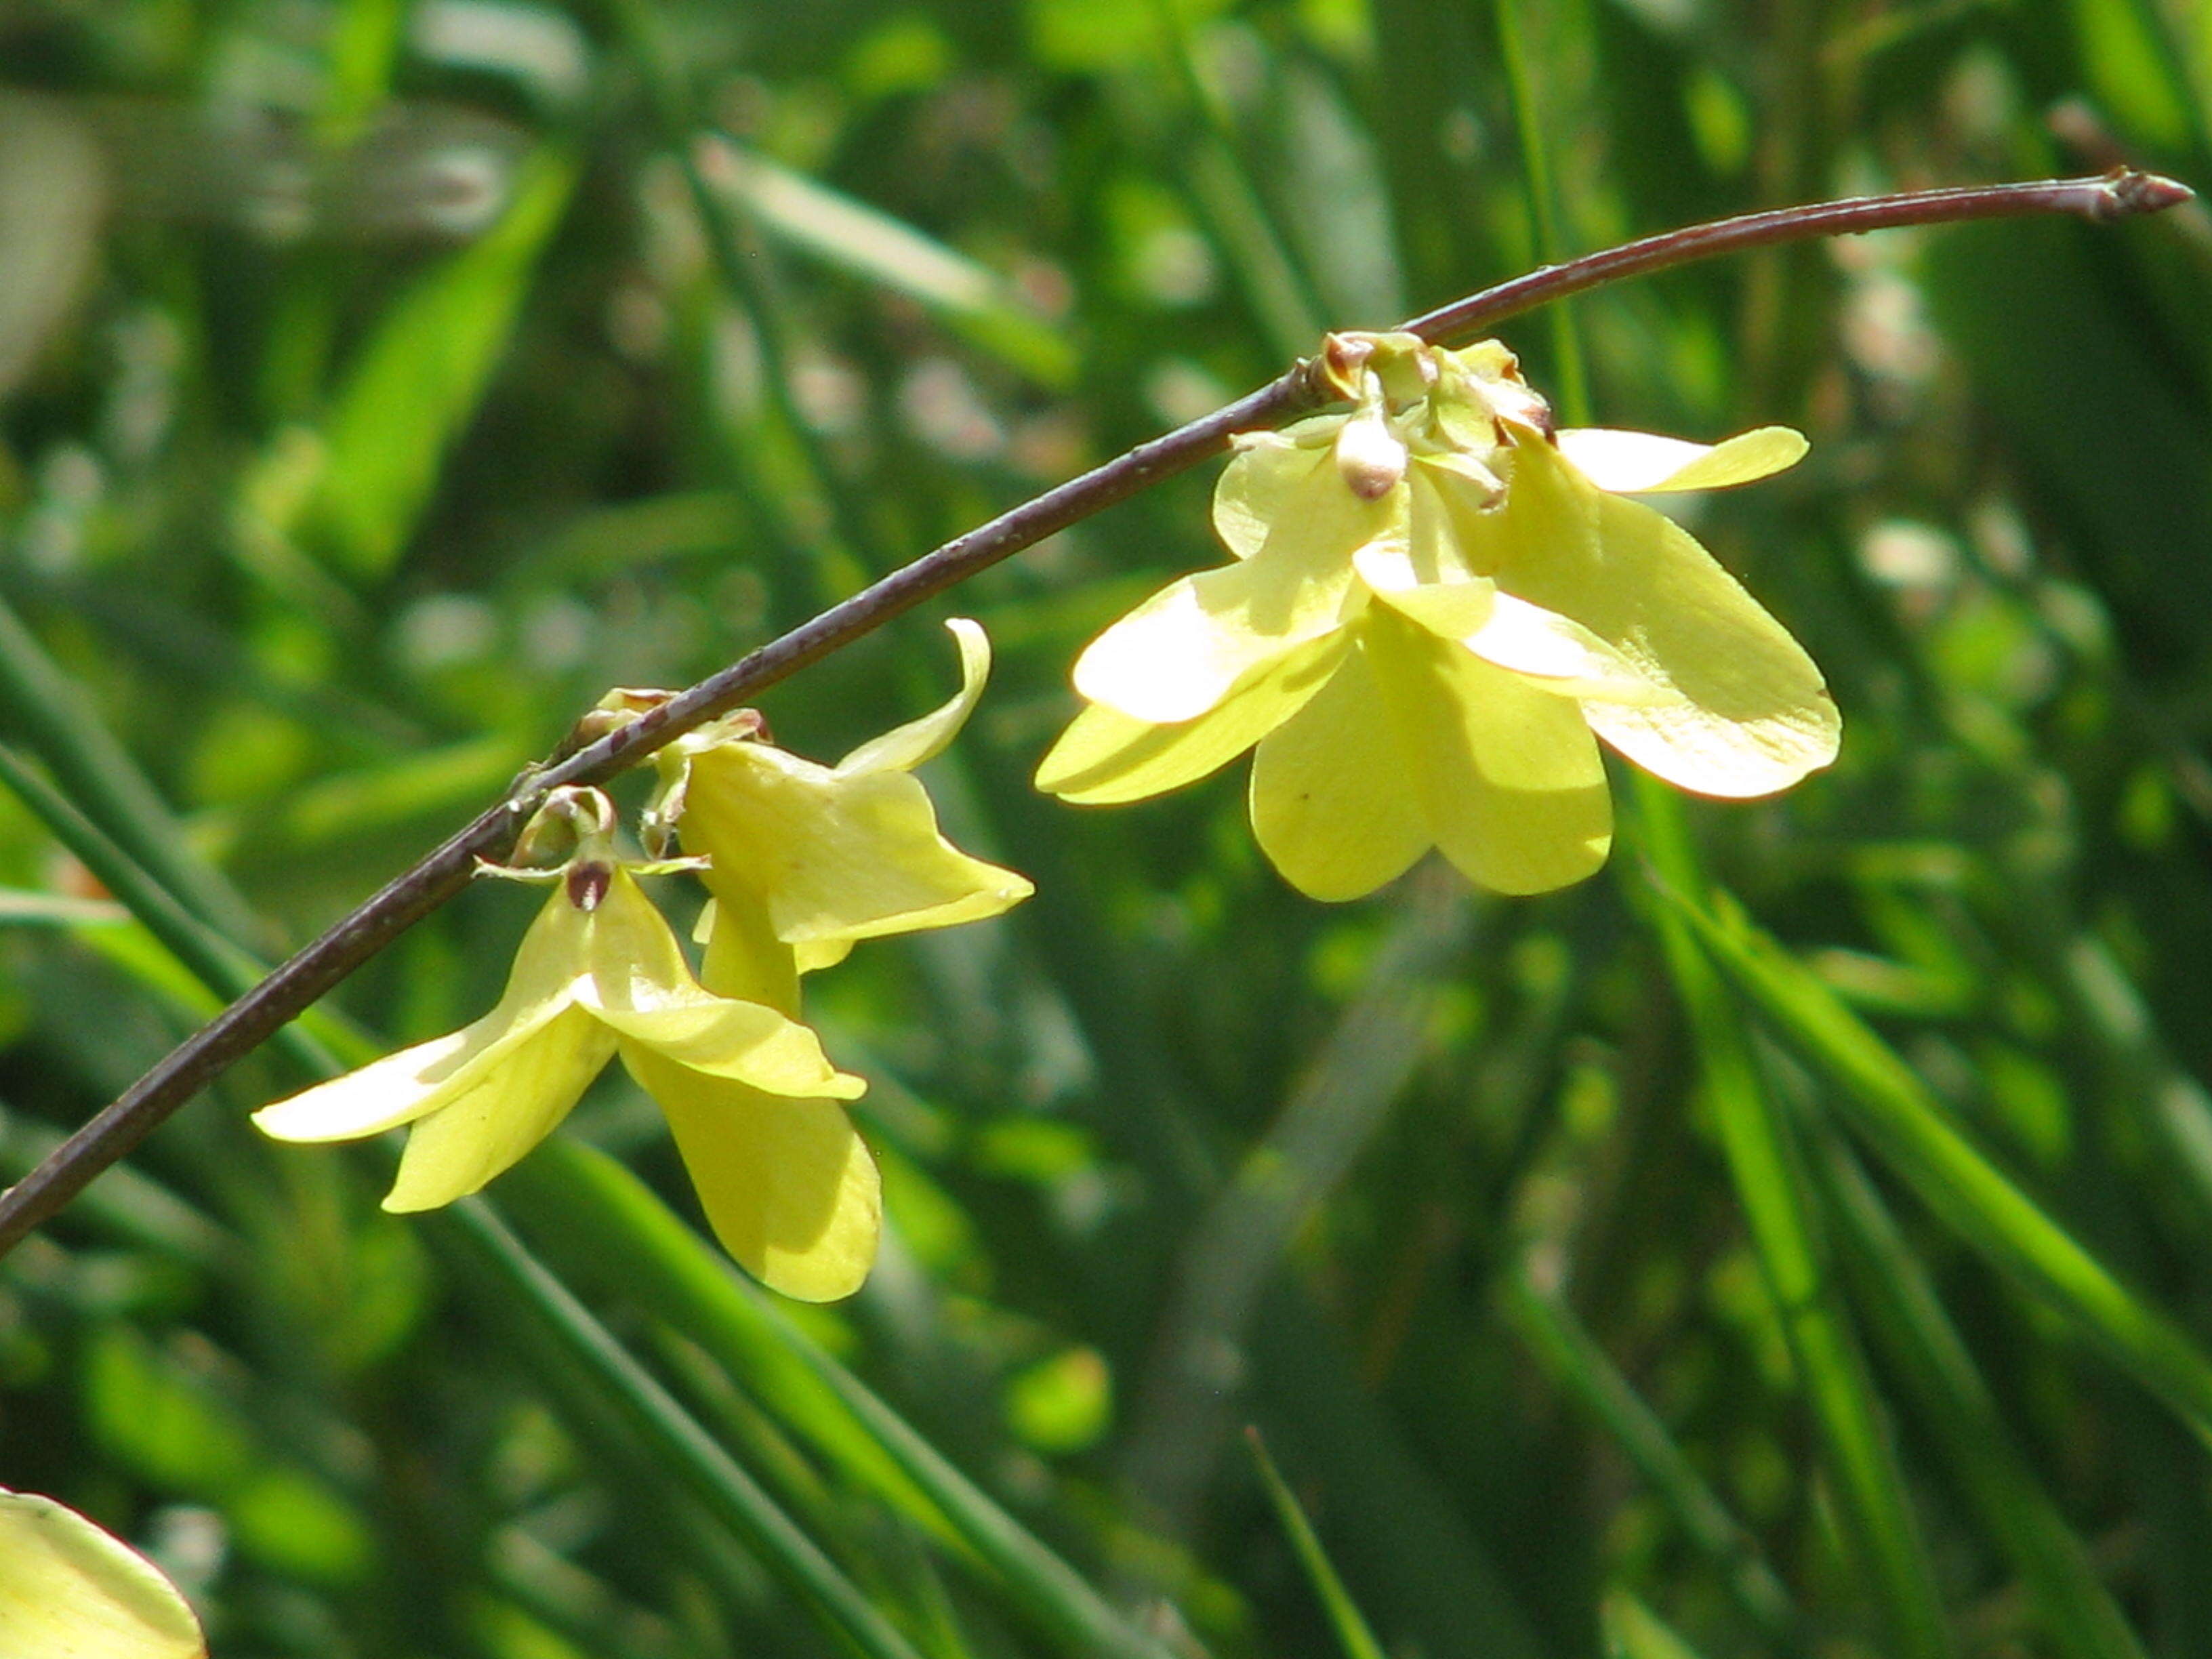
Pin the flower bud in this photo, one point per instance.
(1370, 455)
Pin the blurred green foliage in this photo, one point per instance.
(1794, 1242)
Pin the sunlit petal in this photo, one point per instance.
(415, 1082)
(395, 1090)
(1332, 803)
(640, 984)
(789, 1186)
(1695, 749)
(1634, 463)
(831, 856)
(1514, 789)
(508, 1108)
(1262, 481)
(1568, 657)
(813, 955)
(719, 1036)
(905, 747)
(1179, 654)
(1105, 757)
(1452, 610)
(1731, 706)
(68, 1590)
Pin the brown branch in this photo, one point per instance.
(246, 1023)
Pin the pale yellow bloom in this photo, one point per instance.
(1437, 603)
(835, 854)
(803, 859)
(598, 975)
(68, 1590)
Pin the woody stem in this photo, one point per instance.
(315, 968)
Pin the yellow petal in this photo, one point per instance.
(626, 951)
(68, 1590)
(416, 1082)
(1105, 757)
(1333, 806)
(1443, 505)
(1569, 659)
(831, 856)
(744, 958)
(788, 1185)
(638, 984)
(1259, 483)
(1181, 651)
(1451, 610)
(1731, 706)
(813, 955)
(1633, 463)
(1513, 787)
(488, 1128)
(719, 1036)
(1424, 573)
(386, 1093)
(906, 747)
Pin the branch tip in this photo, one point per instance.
(2127, 191)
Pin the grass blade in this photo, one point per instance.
(1871, 1500)
(1576, 1363)
(1343, 1615)
(684, 1448)
(1901, 1118)
(596, 1210)
(422, 373)
(1929, 1359)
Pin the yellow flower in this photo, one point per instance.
(1436, 602)
(69, 1591)
(599, 973)
(833, 854)
(803, 859)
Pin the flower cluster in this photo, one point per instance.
(800, 861)
(1438, 603)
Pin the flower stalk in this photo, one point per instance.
(321, 965)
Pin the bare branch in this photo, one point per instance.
(250, 1021)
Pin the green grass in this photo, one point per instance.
(1797, 1244)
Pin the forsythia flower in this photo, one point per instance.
(803, 859)
(68, 1590)
(1437, 601)
(599, 973)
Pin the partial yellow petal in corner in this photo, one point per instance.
(789, 1186)
(68, 1590)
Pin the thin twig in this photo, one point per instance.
(408, 897)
